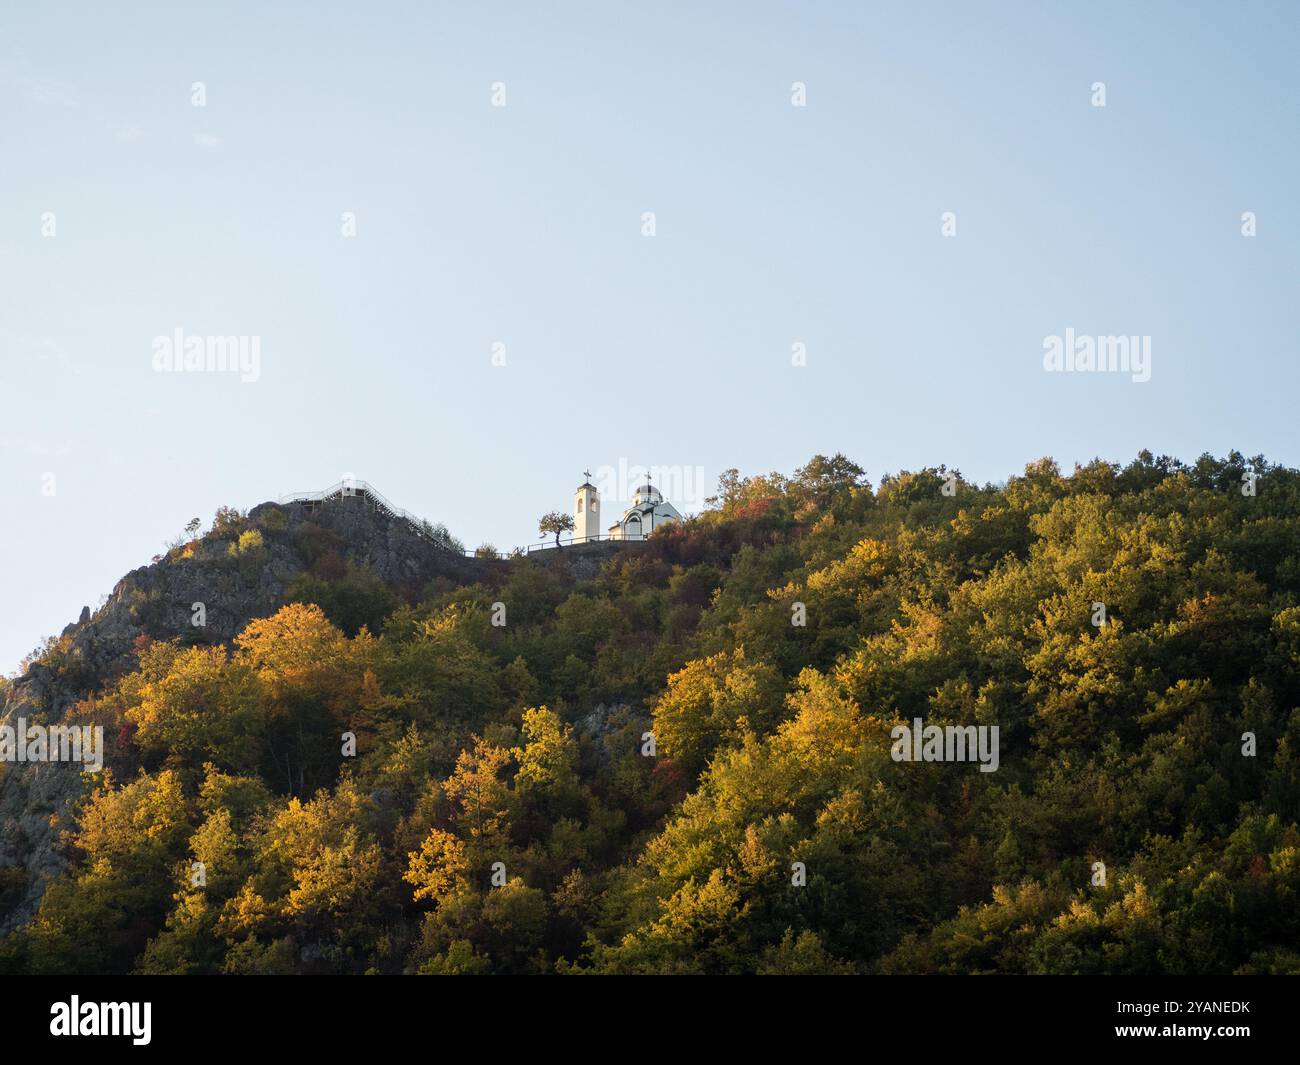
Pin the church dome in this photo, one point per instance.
(646, 493)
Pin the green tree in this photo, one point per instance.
(555, 522)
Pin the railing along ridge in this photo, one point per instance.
(349, 489)
(364, 488)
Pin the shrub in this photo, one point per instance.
(250, 542)
(227, 521)
(274, 520)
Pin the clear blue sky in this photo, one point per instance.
(521, 224)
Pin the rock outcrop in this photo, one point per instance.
(37, 800)
(235, 581)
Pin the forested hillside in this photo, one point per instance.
(659, 769)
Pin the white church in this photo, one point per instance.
(648, 511)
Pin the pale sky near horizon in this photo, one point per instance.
(522, 224)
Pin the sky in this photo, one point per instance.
(942, 196)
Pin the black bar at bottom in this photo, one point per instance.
(523, 1015)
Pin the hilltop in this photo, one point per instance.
(681, 755)
(359, 556)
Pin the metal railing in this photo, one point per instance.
(352, 489)
(363, 489)
(550, 544)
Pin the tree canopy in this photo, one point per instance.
(683, 763)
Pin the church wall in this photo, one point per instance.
(587, 523)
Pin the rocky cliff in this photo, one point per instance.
(236, 581)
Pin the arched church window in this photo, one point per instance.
(579, 504)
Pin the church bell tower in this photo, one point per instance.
(586, 511)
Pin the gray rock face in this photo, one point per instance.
(37, 800)
(582, 562)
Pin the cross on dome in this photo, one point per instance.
(648, 511)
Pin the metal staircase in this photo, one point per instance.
(368, 496)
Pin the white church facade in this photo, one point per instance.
(648, 511)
